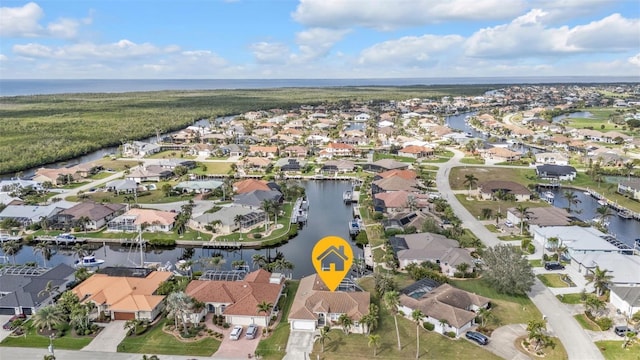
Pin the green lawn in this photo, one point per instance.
(115, 165)
(274, 346)
(379, 156)
(212, 168)
(170, 154)
(612, 350)
(34, 340)
(475, 206)
(524, 176)
(472, 160)
(536, 263)
(156, 341)
(508, 309)
(570, 298)
(150, 197)
(586, 323)
(552, 280)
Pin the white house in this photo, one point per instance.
(626, 299)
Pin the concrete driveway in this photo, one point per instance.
(108, 339)
(4, 333)
(236, 349)
(502, 342)
(299, 345)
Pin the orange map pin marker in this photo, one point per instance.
(332, 257)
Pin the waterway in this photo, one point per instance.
(575, 115)
(625, 230)
(327, 216)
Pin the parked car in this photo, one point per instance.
(236, 332)
(477, 337)
(252, 331)
(622, 330)
(9, 324)
(553, 265)
(508, 223)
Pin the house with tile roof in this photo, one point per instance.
(405, 174)
(338, 166)
(416, 152)
(249, 185)
(393, 183)
(256, 198)
(501, 154)
(394, 202)
(315, 305)
(96, 214)
(489, 189)
(336, 149)
(449, 309)
(137, 218)
(227, 216)
(238, 300)
(124, 297)
(264, 151)
(436, 248)
(385, 165)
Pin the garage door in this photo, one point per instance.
(303, 325)
(7, 311)
(123, 316)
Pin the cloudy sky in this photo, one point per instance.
(222, 39)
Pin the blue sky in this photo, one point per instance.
(227, 39)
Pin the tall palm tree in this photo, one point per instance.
(238, 220)
(80, 250)
(392, 301)
(323, 336)
(600, 279)
(470, 180)
(265, 307)
(417, 317)
(572, 199)
(346, 322)
(486, 316)
(44, 250)
(258, 260)
(11, 248)
(48, 317)
(48, 290)
(267, 207)
(524, 215)
(374, 340)
(499, 216)
(603, 213)
(177, 304)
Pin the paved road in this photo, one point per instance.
(576, 341)
(35, 353)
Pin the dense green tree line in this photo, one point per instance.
(36, 130)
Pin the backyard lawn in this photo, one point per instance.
(273, 347)
(553, 280)
(156, 341)
(212, 168)
(570, 298)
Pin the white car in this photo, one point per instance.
(508, 223)
(236, 332)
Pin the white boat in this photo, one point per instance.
(602, 202)
(549, 195)
(625, 214)
(89, 261)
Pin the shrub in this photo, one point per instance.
(162, 242)
(377, 215)
(361, 238)
(531, 249)
(257, 236)
(226, 325)
(604, 323)
(428, 326)
(450, 334)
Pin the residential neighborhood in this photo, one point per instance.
(517, 222)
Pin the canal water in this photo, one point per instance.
(328, 215)
(625, 230)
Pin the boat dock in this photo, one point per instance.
(355, 226)
(222, 245)
(64, 241)
(4, 238)
(300, 211)
(621, 210)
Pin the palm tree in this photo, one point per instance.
(524, 215)
(470, 180)
(392, 301)
(238, 220)
(266, 206)
(486, 316)
(80, 250)
(603, 213)
(177, 304)
(265, 307)
(44, 250)
(11, 248)
(48, 317)
(132, 326)
(346, 322)
(48, 290)
(572, 199)
(323, 336)
(258, 260)
(499, 216)
(83, 221)
(417, 316)
(600, 279)
(374, 340)
(371, 319)
(594, 305)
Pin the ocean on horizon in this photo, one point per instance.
(15, 87)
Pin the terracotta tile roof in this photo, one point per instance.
(244, 296)
(249, 185)
(151, 216)
(334, 145)
(123, 293)
(405, 174)
(313, 296)
(395, 183)
(415, 149)
(398, 199)
(94, 211)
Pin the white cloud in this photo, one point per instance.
(21, 21)
(387, 15)
(528, 36)
(635, 60)
(118, 50)
(561, 10)
(3, 57)
(269, 53)
(316, 43)
(410, 50)
(64, 28)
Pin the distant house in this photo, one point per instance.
(315, 306)
(249, 185)
(405, 174)
(228, 219)
(416, 152)
(22, 292)
(94, 215)
(255, 199)
(335, 149)
(122, 186)
(541, 216)
(399, 201)
(556, 172)
(332, 259)
(385, 165)
(393, 183)
(295, 151)
(436, 248)
(137, 219)
(139, 149)
(626, 299)
(551, 158)
(153, 173)
(630, 188)
(238, 300)
(449, 309)
(232, 150)
(125, 297)
(501, 154)
(290, 164)
(338, 166)
(624, 269)
(491, 189)
(198, 186)
(264, 151)
(30, 214)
